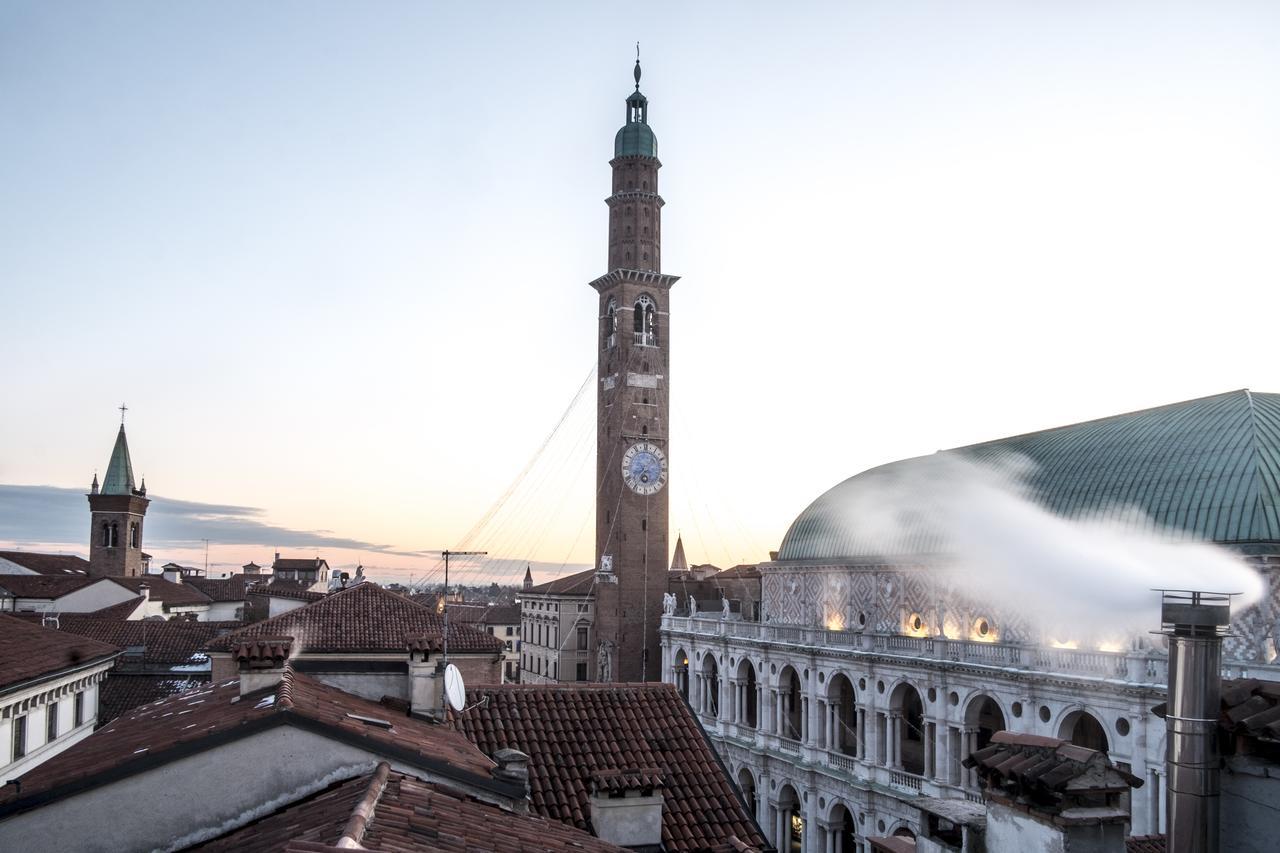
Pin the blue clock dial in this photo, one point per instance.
(644, 468)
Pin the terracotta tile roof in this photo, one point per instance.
(1145, 844)
(30, 651)
(502, 614)
(743, 570)
(571, 731)
(48, 564)
(1250, 708)
(575, 584)
(284, 588)
(146, 641)
(122, 692)
(294, 564)
(44, 586)
(403, 814)
(468, 614)
(224, 589)
(362, 618)
(1048, 774)
(163, 731)
(168, 593)
(892, 844)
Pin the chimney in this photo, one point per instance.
(513, 768)
(1195, 623)
(626, 807)
(426, 676)
(144, 590)
(50, 619)
(262, 661)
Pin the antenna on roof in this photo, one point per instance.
(444, 600)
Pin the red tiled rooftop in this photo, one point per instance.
(407, 815)
(502, 614)
(224, 589)
(168, 593)
(361, 618)
(156, 733)
(28, 651)
(145, 641)
(575, 584)
(122, 692)
(1145, 844)
(44, 586)
(48, 564)
(573, 731)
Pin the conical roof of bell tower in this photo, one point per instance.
(635, 138)
(119, 478)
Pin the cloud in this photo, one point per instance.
(49, 514)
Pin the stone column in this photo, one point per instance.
(860, 730)
(895, 741)
(970, 746)
(929, 738)
(804, 719)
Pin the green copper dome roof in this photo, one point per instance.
(119, 479)
(635, 140)
(1207, 469)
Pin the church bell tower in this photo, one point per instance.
(632, 452)
(116, 510)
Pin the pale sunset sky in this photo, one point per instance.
(334, 256)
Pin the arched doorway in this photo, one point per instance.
(1083, 729)
(984, 716)
(789, 828)
(747, 784)
(906, 730)
(680, 672)
(843, 829)
(710, 701)
(749, 699)
(790, 697)
(842, 715)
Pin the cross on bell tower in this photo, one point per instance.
(632, 450)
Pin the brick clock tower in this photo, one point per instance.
(632, 451)
(116, 510)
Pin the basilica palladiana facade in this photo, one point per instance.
(875, 669)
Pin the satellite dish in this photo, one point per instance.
(454, 690)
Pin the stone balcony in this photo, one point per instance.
(1143, 667)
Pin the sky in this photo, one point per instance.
(334, 257)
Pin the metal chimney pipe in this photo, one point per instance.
(1195, 623)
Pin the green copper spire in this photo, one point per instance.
(636, 138)
(119, 479)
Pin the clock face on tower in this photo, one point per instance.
(644, 468)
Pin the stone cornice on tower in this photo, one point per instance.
(644, 277)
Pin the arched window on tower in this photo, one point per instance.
(133, 534)
(646, 321)
(114, 535)
(106, 535)
(611, 324)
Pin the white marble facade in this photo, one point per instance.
(865, 687)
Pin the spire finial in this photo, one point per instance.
(123, 409)
(637, 71)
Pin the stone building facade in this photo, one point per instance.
(870, 677)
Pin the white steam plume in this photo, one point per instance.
(1089, 577)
